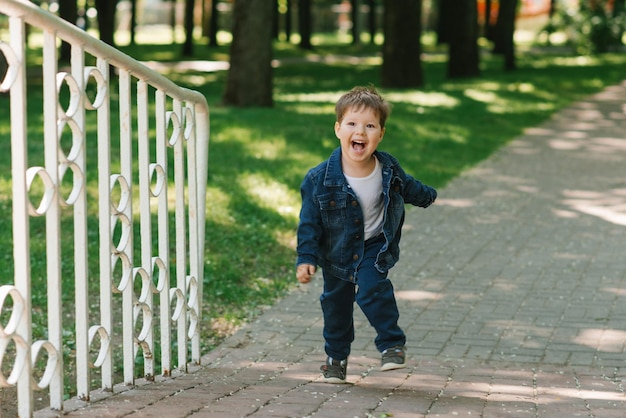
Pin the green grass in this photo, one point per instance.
(258, 156)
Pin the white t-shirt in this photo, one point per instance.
(369, 193)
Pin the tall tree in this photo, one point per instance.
(444, 24)
(402, 50)
(463, 58)
(106, 20)
(354, 15)
(289, 6)
(68, 10)
(505, 29)
(173, 19)
(488, 27)
(213, 24)
(133, 21)
(371, 20)
(189, 24)
(249, 81)
(276, 20)
(305, 23)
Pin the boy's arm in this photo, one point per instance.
(417, 193)
(309, 232)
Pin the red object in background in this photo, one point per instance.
(529, 8)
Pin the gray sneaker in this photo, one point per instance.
(334, 371)
(393, 358)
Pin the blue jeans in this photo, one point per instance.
(374, 296)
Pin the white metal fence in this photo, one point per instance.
(108, 163)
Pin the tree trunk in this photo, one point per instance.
(304, 23)
(206, 13)
(213, 23)
(249, 80)
(444, 24)
(188, 44)
(488, 27)
(463, 59)
(288, 29)
(106, 20)
(505, 29)
(372, 20)
(275, 21)
(68, 10)
(402, 65)
(173, 19)
(354, 15)
(133, 21)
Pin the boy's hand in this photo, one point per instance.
(304, 272)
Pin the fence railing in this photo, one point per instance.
(109, 163)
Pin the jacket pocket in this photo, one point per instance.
(333, 210)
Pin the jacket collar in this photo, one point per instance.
(334, 174)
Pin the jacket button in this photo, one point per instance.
(355, 257)
(333, 203)
(357, 236)
(355, 203)
(396, 189)
(357, 221)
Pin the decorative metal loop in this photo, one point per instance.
(158, 171)
(189, 123)
(147, 321)
(105, 342)
(176, 293)
(17, 311)
(192, 290)
(49, 189)
(75, 95)
(12, 71)
(102, 88)
(193, 323)
(122, 205)
(162, 281)
(126, 226)
(19, 363)
(127, 271)
(51, 365)
(77, 184)
(173, 119)
(77, 141)
(147, 288)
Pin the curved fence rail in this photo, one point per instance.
(109, 164)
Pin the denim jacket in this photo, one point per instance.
(331, 230)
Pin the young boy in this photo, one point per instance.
(350, 223)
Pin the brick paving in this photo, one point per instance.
(512, 291)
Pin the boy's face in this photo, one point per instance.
(359, 133)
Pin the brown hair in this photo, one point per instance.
(363, 97)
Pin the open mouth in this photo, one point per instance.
(358, 145)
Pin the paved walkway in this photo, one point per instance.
(512, 291)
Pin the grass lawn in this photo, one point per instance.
(258, 156)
